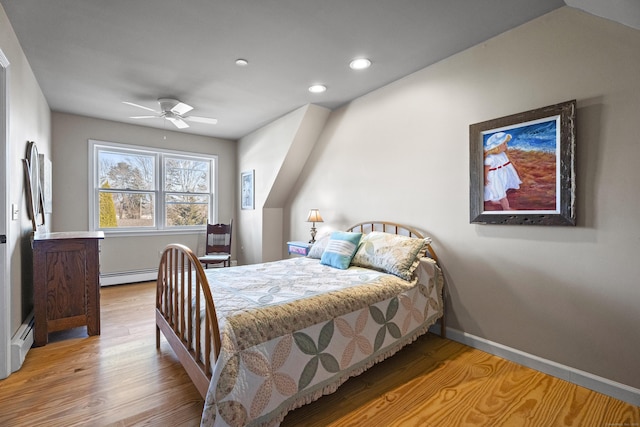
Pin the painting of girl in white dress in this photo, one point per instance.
(520, 167)
(500, 174)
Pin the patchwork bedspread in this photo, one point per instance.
(295, 329)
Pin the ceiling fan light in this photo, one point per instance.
(173, 111)
(181, 108)
(360, 64)
(173, 105)
(317, 88)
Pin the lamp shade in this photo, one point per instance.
(314, 216)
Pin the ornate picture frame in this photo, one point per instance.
(522, 168)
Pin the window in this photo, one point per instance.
(141, 189)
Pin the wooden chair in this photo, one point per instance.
(218, 245)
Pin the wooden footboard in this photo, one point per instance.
(182, 293)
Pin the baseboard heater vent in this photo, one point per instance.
(133, 276)
(21, 343)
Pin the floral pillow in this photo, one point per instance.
(391, 253)
(340, 249)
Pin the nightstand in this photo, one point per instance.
(299, 248)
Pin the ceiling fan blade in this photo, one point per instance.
(181, 108)
(143, 117)
(139, 106)
(207, 120)
(178, 122)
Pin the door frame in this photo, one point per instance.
(5, 288)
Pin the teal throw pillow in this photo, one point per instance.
(340, 249)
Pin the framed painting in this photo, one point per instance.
(522, 168)
(247, 189)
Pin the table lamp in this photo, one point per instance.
(314, 216)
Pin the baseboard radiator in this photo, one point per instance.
(122, 277)
(21, 343)
(134, 276)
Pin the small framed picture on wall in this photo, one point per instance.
(247, 189)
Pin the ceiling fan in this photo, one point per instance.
(174, 111)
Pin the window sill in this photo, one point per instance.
(151, 233)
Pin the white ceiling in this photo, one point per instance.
(90, 55)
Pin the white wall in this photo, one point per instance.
(401, 153)
(277, 153)
(71, 134)
(29, 120)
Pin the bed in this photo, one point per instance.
(261, 340)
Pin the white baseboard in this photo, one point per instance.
(21, 342)
(602, 385)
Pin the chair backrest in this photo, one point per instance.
(219, 238)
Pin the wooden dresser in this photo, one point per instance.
(66, 282)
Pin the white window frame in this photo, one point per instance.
(159, 191)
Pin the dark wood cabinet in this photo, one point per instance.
(66, 282)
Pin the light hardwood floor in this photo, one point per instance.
(118, 378)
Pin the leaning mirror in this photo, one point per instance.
(32, 171)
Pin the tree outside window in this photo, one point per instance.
(138, 189)
(187, 184)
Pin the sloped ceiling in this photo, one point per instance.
(626, 12)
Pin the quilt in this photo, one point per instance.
(295, 329)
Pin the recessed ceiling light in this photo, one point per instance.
(242, 62)
(360, 64)
(317, 88)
